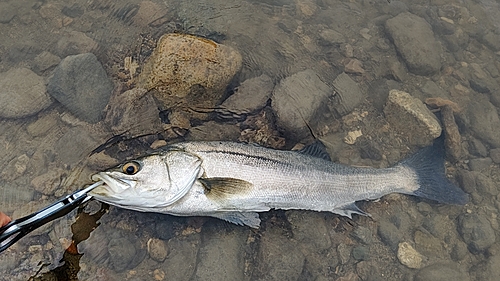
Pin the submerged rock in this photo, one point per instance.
(415, 41)
(190, 70)
(441, 272)
(412, 118)
(484, 120)
(80, 83)
(22, 93)
(408, 256)
(476, 231)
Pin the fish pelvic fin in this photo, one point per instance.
(428, 166)
(250, 219)
(350, 209)
(222, 188)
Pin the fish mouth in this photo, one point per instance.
(111, 185)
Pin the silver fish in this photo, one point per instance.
(235, 181)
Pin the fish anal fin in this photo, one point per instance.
(316, 149)
(349, 209)
(250, 219)
(220, 188)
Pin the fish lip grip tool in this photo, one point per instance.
(16, 229)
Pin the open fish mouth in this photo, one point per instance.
(111, 185)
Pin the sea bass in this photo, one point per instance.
(234, 181)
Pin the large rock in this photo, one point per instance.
(484, 120)
(251, 96)
(476, 231)
(82, 86)
(22, 93)
(190, 70)
(298, 101)
(415, 41)
(412, 118)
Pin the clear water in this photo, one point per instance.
(48, 151)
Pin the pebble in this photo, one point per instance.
(476, 231)
(354, 66)
(196, 73)
(416, 43)
(157, 249)
(484, 120)
(45, 61)
(47, 183)
(407, 255)
(453, 139)
(441, 272)
(296, 100)
(480, 164)
(389, 234)
(361, 253)
(412, 118)
(121, 253)
(344, 252)
(23, 93)
(331, 37)
(80, 84)
(477, 148)
(480, 81)
(429, 245)
(251, 96)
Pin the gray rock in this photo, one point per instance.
(441, 272)
(415, 41)
(344, 252)
(75, 137)
(251, 96)
(361, 253)
(82, 86)
(121, 253)
(212, 130)
(75, 42)
(22, 93)
(389, 234)
(279, 257)
(363, 235)
(477, 148)
(459, 251)
(476, 231)
(347, 95)
(481, 81)
(488, 270)
(309, 228)
(485, 185)
(297, 100)
(7, 12)
(331, 37)
(428, 245)
(221, 256)
(484, 120)
(491, 40)
(432, 90)
(495, 155)
(480, 164)
(412, 118)
(181, 260)
(45, 60)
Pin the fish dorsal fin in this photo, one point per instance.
(221, 188)
(316, 149)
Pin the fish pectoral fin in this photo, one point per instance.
(349, 209)
(221, 188)
(250, 219)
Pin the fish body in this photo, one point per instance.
(235, 181)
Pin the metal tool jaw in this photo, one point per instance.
(16, 229)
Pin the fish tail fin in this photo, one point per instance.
(428, 165)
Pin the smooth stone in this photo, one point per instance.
(361, 253)
(74, 43)
(331, 37)
(415, 41)
(389, 234)
(429, 245)
(347, 96)
(363, 235)
(441, 272)
(80, 84)
(412, 118)
(298, 100)
(121, 253)
(476, 231)
(484, 121)
(251, 96)
(480, 164)
(45, 60)
(157, 249)
(22, 93)
(182, 258)
(310, 229)
(477, 148)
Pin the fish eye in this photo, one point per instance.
(131, 168)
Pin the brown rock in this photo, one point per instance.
(440, 102)
(453, 140)
(187, 70)
(354, 66)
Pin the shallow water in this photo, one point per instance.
(51, 145)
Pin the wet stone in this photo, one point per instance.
(488, 270)
(80, 83)
(441, 272)
(389, 234)
(408, 256)
(182, 257)
(74, 43)
(309, 228)
(344, 252)
(429, 245)
(157, 249)
(484, 120)
(476, 231)
(7, 12)
(477, 148)
(22, 93)
(347, 96)
(297, 100)
(121, 253)
(412, 118)
(495, 155)
(480, 164)
(415, 41)
(459, 251)
(361, 253)
(363, 235)
(331, 37)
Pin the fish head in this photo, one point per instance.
(148, 183)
